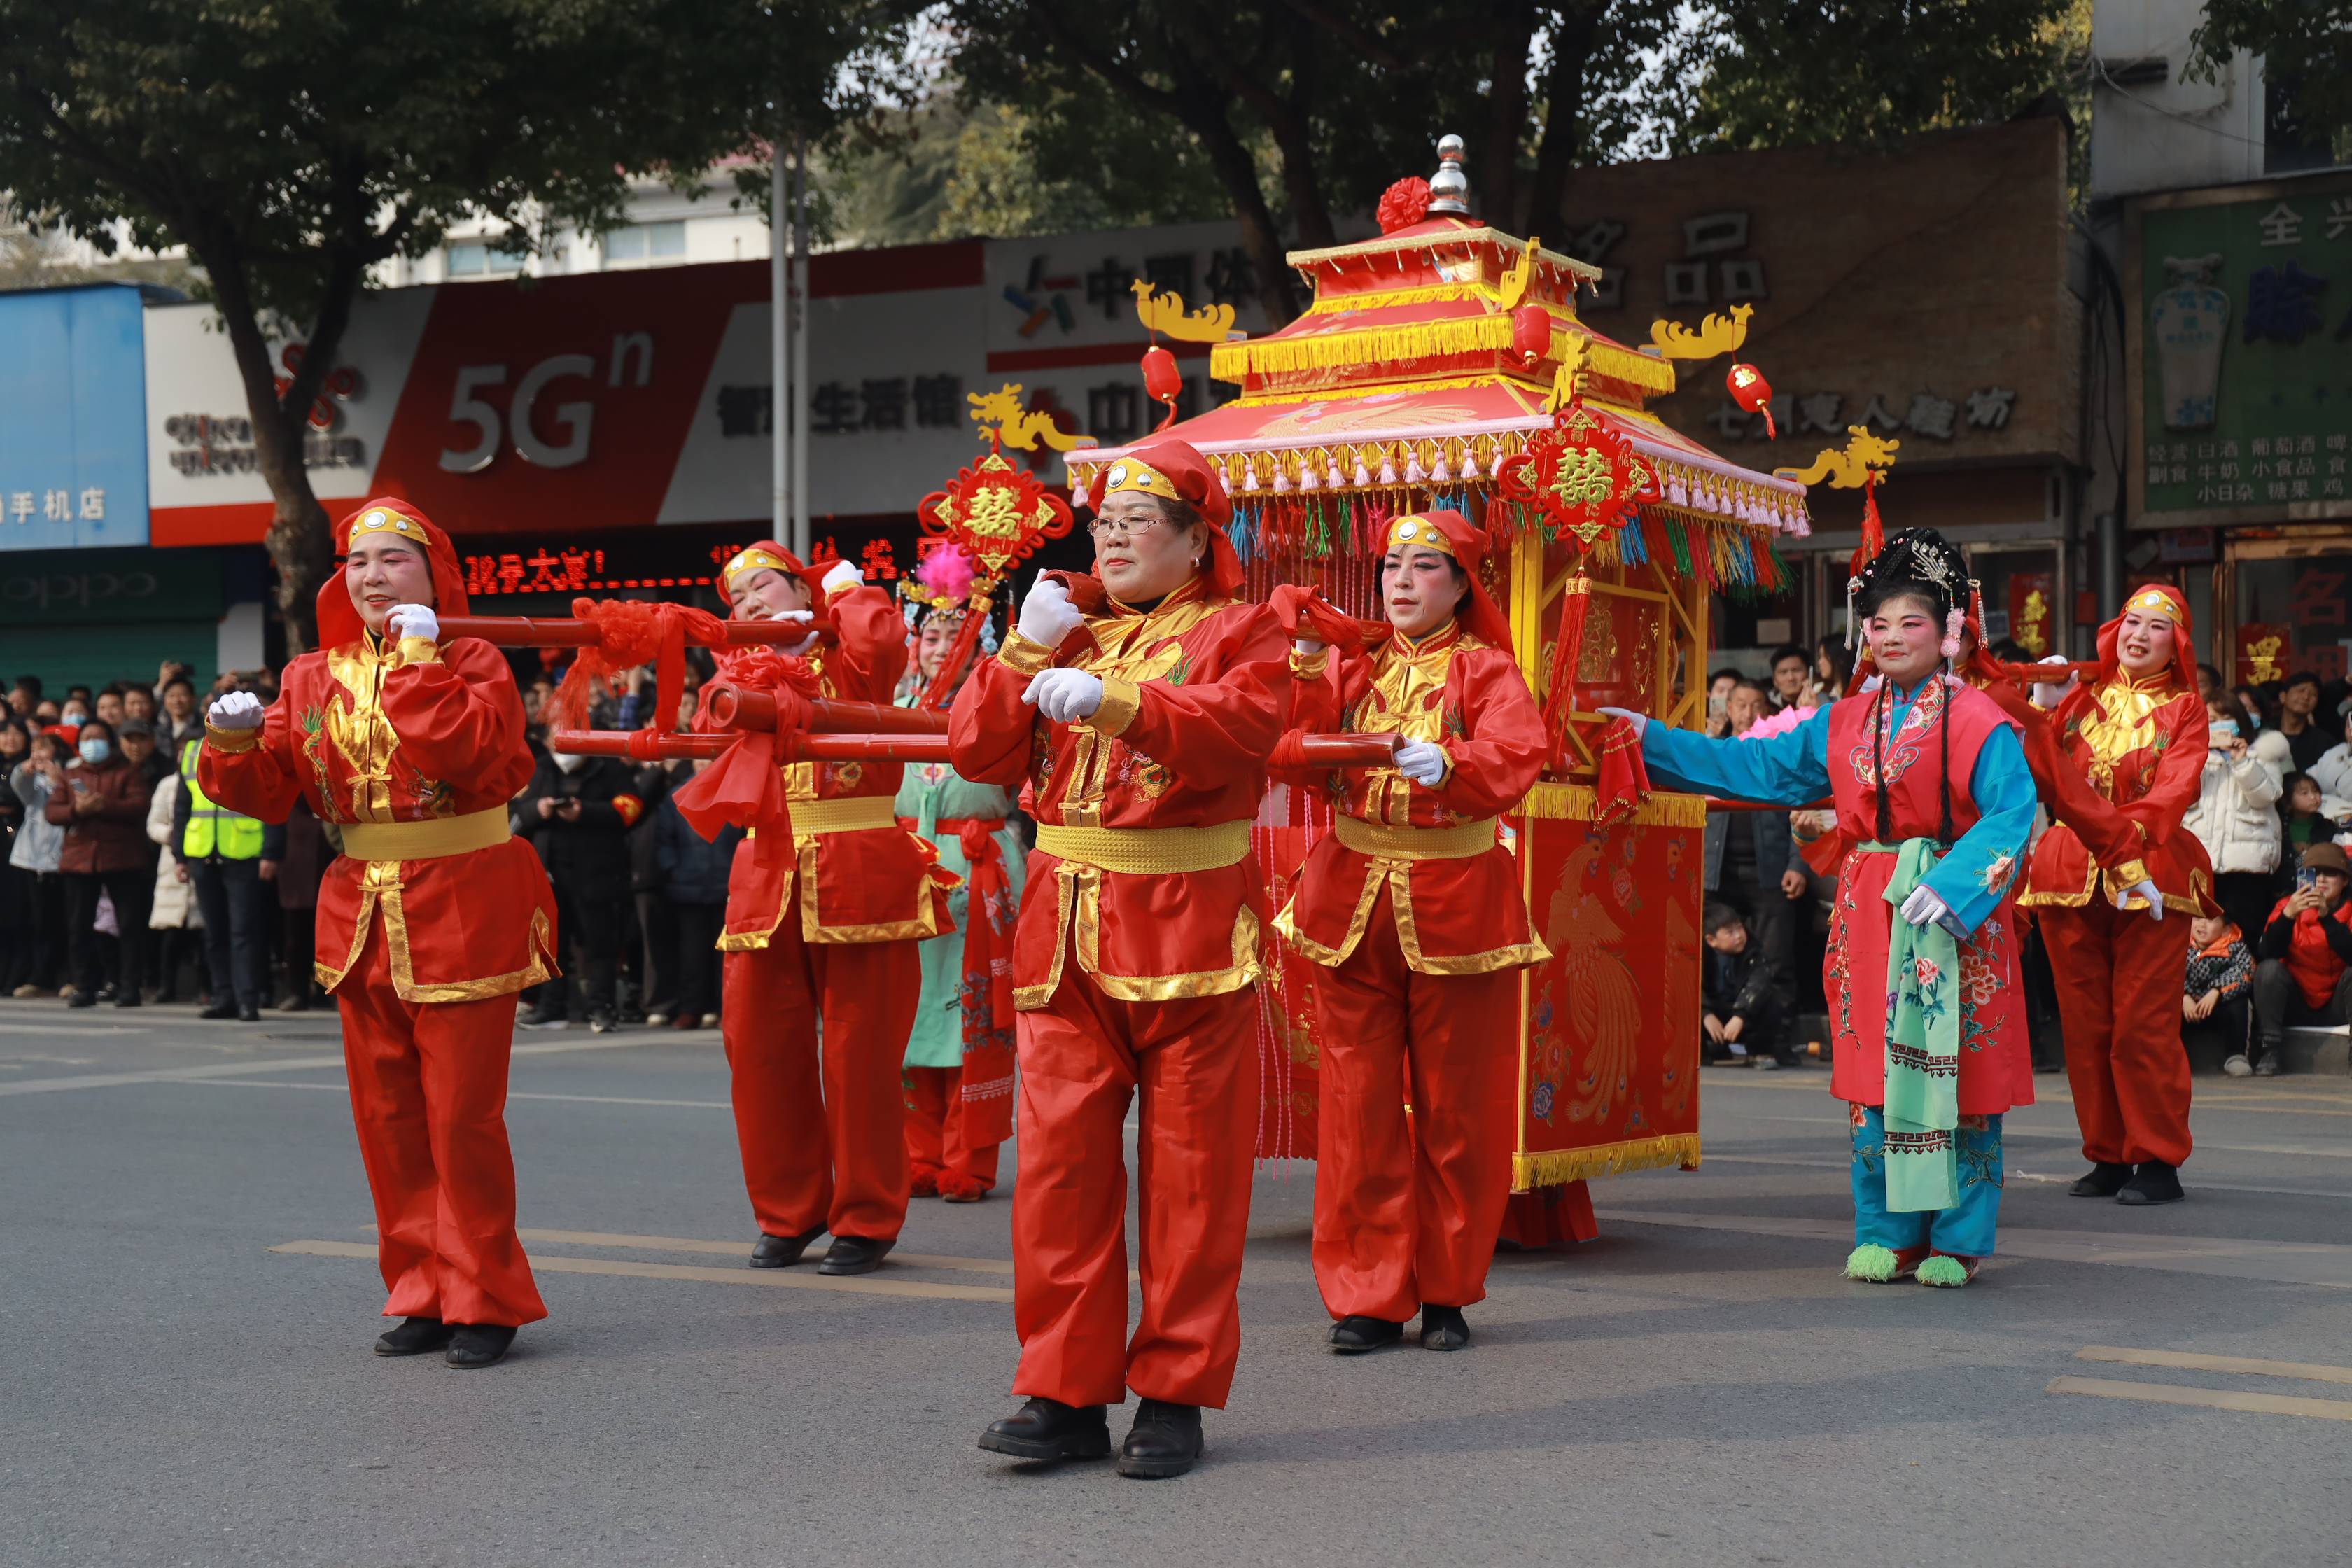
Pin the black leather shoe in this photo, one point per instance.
(1049, 1429)
(782, 1251)
(1354, 1336)
(219, 1010)
(249, 1013)
(1164, 1441)
(479, 1345)
(1444, 1329)
(2153, 1183)
(81, 999)
(131, 1000)
(415, 1336)
(2106, 1180)
(856, 1255)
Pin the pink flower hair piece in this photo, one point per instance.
(1954, 619)
(947, 574)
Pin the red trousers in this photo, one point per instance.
(429, 1097)
(939, 1159)
(2119, 976)
(1084, 1058)
(1407, 1208)
(822, 1129)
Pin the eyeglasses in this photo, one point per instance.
(1104, 527)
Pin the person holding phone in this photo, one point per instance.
(2235, 816)
(2305, 975)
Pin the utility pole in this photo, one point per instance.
(803, 532)
(780, 388)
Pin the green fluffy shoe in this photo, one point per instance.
(1947, 1271)
(1875, 1265)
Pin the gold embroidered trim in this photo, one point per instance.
(1023, 655)
(229, 742)
(1121, 701)
(856, 814)
(419, 650)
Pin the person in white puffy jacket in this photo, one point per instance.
(2333, 771)
(2235, 816)
(174, 915)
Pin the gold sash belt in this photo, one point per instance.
(1459, 842)
(435, 840)
(1148, 852)
(855, 813)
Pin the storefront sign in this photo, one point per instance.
(2032, 602)
(71, 410)
(98, 587)
(2241, 353)
(1876, 302)
(2261, 653)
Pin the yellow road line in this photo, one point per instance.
(771, 1278)
(2308, 1370)
(741, 1249)
(2205, 1398)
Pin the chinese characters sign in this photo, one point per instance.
(2243, 349)
(72, 449)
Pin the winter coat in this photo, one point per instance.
(176, 903)
(587, 858)
(693, 871)
(1739, 987)
(114, 838)
(2334, 771)
(2235, 816)
(40, 840)
(2227, 966)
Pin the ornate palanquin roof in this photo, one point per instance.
(1405, 375)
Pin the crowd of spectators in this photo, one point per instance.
(123, 885)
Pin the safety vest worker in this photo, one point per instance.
(212, 830)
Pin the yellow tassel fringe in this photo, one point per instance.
(1578, 802)
(1553, 1166)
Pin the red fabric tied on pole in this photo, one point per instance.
(1305, 614)
(1625, 782)
(744, 786)
(631, 632)
(987, 989)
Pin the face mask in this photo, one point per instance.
(2225, 727)
(96, 752)
(571, 761)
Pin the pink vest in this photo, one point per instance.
(1996, 1060)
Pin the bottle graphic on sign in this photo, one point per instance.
(2189, 322)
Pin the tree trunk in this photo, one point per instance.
(1238, 174)
(1564, 89)
(298, 541)
(1511, 29)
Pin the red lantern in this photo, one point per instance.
(1163, 381)
(1752, 393)
(1530, 334)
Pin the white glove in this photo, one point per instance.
(794, 650)
(1641, 721)
(413, 621)
(1423, 762)
(2046, 695)
(2146, 890)
(1925, 907)
(1046, 614)
(1064, 696)
(842, 575)
(1306, 647)
(236, 711)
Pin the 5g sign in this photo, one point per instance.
(631, 363)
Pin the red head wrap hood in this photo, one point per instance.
(765, 557)
(2160, 599)
(1172, 469)
(338, 618)
(1451, 534)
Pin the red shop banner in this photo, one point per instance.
(2032, 602)
(2261, 653)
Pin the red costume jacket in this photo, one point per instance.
(1195, 694)
(861, 877)
(1459, 908)
(2141, 744)
(413, 752)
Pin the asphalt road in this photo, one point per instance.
(188, 1295)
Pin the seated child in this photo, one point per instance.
(1741, 1016)
(2219, 991)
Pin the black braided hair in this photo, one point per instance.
(1885, 820)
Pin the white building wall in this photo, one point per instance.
(2168, 134)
